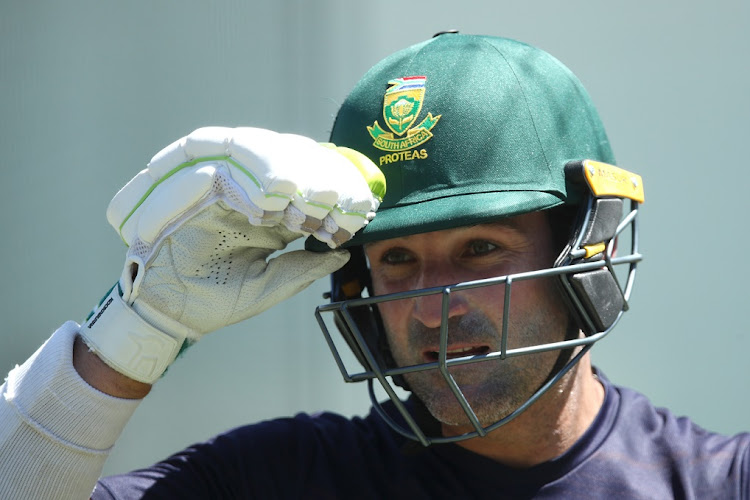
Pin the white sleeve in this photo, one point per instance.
(56, 431)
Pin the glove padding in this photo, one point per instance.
(201, 222)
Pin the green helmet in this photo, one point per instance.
(469, 129)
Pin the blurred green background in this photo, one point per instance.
(91, 89)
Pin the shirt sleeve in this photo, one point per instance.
(56, 431)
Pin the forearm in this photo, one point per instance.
(56, 431)
(102, 377)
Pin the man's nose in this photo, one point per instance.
(428, 309)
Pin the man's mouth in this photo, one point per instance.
(457, 352)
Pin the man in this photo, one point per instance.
(483, 274)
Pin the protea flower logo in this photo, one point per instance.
(401, 107)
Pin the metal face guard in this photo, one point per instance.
(586, 271)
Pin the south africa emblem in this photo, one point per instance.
(401, 106)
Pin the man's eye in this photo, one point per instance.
(396, 256)
(480, 247)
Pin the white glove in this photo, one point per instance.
(201, 222)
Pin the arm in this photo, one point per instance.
(100, 376)
(62, 411)
(56, 431)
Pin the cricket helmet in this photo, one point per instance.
(467, 130)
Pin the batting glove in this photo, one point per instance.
(200, 223)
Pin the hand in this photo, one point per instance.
(201, 222)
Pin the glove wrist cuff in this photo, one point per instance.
(126, 342)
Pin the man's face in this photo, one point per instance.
(494, 388)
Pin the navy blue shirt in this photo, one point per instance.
(632, 450)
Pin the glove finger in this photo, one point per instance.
(170, 200)
(334, 198)
(244, 153)
(251, 155)
(260, 155)
(319, 181)
(363, 186)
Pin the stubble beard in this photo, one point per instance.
(493, 388)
